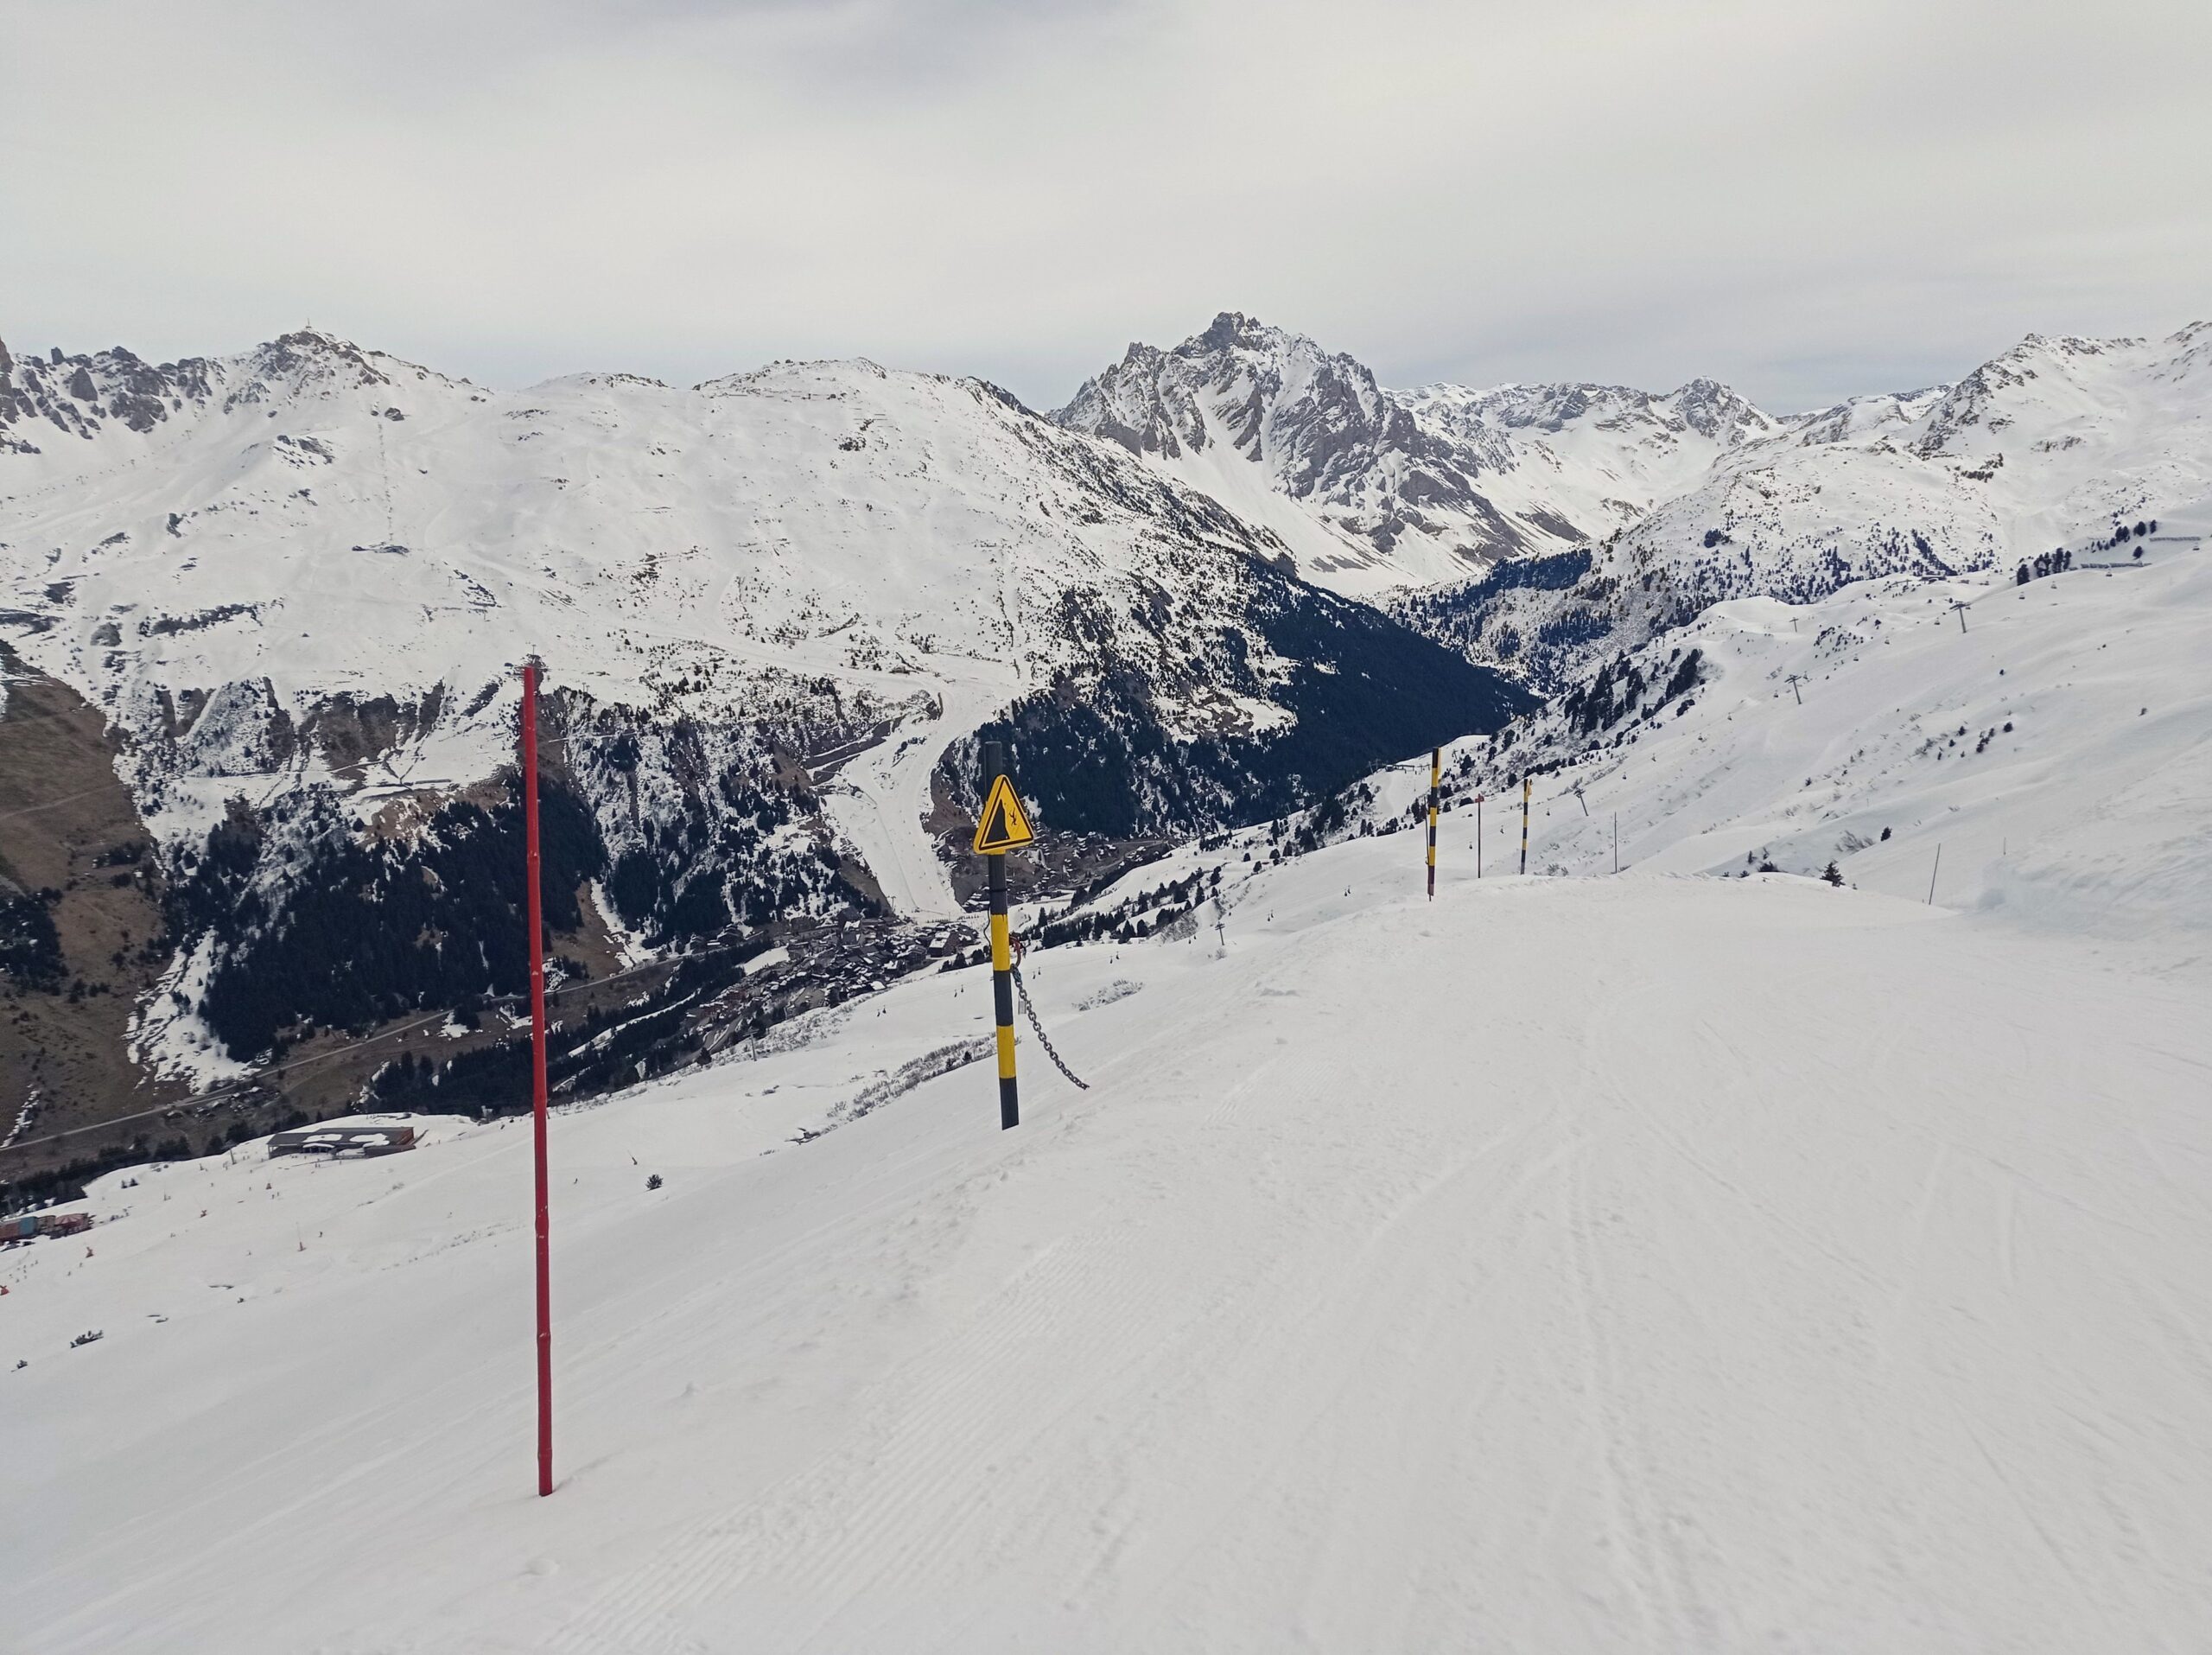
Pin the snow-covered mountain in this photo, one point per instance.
(297, 582)
(1373, 489)
(2058, 444)
(779, 610)
(212, 550)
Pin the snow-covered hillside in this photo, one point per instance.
(2044, 756)
(2056, 440)
(1579, 1263)
(1373, 489)
(1576, 461)
(2057, 443)
(298, 582)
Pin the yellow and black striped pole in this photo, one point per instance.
(1435, 781)
(1002, 950)
(1527, 786)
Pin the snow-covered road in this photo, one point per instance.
(880, 800)
(1642, 1263)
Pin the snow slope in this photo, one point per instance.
(1569, 1263)
(2055, 745)
(1577, 462)
(2058, 749)
(2055, 439)
(2056, 442)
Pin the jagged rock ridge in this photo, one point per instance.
(1374, 489)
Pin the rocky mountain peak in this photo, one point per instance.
(1969, 406)
(1376, 488)
(308, 355)
(1228, 330)
(1717, 412)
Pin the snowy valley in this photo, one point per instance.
(1777, 1220)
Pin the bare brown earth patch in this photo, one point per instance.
(70, 834)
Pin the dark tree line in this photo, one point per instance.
(1362, 692)
(372, 930)
(1616, 692)
(612, 1047)
(30, 948)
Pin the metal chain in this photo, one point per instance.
(1043, 1040)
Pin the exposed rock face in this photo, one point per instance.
(1374, 489)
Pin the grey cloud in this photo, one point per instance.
(1807, 200)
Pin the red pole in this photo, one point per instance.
(538, 1083)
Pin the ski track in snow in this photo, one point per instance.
(1594, 1265)
(881, 796)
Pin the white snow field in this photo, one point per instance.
(1650, 1263)
(2055, 748)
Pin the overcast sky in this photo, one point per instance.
(1806, 198)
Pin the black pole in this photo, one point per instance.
(1001, 957)
(1526, 784)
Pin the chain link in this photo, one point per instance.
(1030, 1012)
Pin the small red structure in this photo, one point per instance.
(29, 1224)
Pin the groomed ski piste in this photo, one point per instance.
(1659, 1261)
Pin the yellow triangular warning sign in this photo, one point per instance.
(1003, 826)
